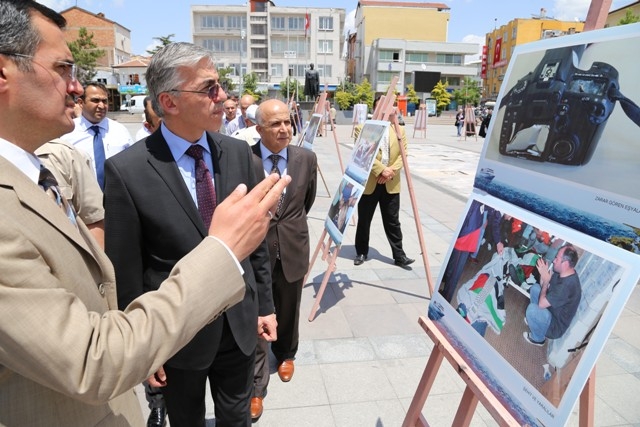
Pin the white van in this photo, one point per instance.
(135, 105)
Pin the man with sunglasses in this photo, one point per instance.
(68, 356)
(95, 134)
(154, 199)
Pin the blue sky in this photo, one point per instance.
(470, 19)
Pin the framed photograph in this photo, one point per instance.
(310, 131)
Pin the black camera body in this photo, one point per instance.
(561, 109)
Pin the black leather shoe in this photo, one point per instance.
(404, 261)
(157, 417)
(360, 259)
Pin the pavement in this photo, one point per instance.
(361, 358)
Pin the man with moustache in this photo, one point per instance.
(239, 122)
(287, 239)
(68, 356)
(230, 110)
(95, 134)
(155, 197)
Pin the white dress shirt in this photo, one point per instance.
(115, 137)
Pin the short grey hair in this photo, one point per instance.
(18, 35)
(164, 71)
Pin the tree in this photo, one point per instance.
(442, 97)
(469, 93)
(163, 40)
(225, 81)
(288, 89)
(412, 96)
(363, 93)
(250, 86)
(629, 18)
(85, 54)
(344, 99)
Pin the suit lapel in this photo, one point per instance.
(162, 161)
(220, 163)
(35, 199)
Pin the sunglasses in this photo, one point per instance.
(213, 92)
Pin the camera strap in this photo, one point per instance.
(630, 108)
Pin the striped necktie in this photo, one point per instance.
(205, 191)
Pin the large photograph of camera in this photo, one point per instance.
(557, 112)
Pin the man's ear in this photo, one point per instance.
(167, 103)
(7, 69)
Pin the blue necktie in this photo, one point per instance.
(98, 154)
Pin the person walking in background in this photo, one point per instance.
(95, 134)
(151, 120)
(383, 188)
(69, 357)
(459, 121)
(287, 239)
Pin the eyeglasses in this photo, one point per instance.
(213, 92)
(66, 69)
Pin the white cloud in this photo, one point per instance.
(58, 4)
(479, 40)
(350, 22)
(569, 10)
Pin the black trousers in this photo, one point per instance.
(286, 299)
(389, 209)
(230, 378)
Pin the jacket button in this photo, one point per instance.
(101, 289)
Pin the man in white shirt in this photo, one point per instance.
(151, 121)
(250, 133)
(230, 112)
(239, 122)
(113, 135)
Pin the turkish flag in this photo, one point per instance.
(497, 51)
(307, 23)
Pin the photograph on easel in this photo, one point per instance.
(310, 131)
(551, 200)
(342, 208)
(568, 113)
(365, 148)
(530, 304)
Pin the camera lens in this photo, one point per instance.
(563, 149)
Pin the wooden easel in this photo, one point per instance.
(330, 250)
(420, 121)
(469, 123)
(476, 389)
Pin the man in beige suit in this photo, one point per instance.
(67, 356)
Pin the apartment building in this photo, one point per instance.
(273, 42)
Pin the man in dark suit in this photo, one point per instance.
(287, 238)
(155, 196)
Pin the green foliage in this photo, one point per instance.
(343, 99)
(294, 86)
(469, 93)
(164, 40)
(85, 55)
(363, 93)
(412, 96)
(442, 97)
(225, 81)
(250, 86)
(629, 18)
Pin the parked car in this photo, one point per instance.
(135, 105)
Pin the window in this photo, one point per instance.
(449, 58)
(385, 76)
(416, 57)
(296, 23)
(277, 23)
(298, 70)
(235, 45)
(259, 6)
(237, 67)
(325, 23)
(514, 33)
(278, 46)
(324, 70)
(237, 22)
(213, 21)
(214, 45)
(258, 29)
(325, 46)
(259, 53)
(299, 45)
(276, 70)
(453, 81)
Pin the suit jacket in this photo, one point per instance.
(68, 357)
(289, 228)
(395, 162)
(151, 222)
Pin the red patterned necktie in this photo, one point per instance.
(205, 191)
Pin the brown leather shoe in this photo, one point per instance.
(285, 370)
(256, 407)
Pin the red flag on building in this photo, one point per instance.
(483, 71)
(497, 51)
(307, 24)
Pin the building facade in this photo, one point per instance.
(616, 15)
(501, 42)
(275, 43)
(109, 36)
